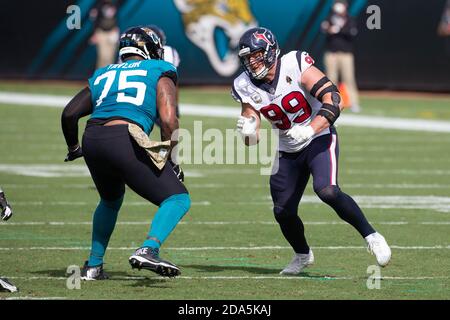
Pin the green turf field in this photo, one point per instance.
(229, 246)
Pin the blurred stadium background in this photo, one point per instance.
(395, 157)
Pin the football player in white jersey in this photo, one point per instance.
(170, 53)
(303, 104)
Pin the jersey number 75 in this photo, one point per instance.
(123, 84)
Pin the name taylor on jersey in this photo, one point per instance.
(284, 102)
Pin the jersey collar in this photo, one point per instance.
(269, 87)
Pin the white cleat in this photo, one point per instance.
(377, 245)
(299, 262)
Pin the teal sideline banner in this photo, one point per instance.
(405, 53)
(205, 33)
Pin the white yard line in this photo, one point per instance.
(377, 172)
(430, 203)
(34, 298)
(78, 170)
(85, 203)
(238, 278)
(61, 170)
(437, 247)
(400, 186)
(233, 112)
(423, 202)
(313, 223)
(394, 186)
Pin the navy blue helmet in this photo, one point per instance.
(140, 41)
(258, 40)
(159, 32)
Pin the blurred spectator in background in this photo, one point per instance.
(170, 55)
(444, 25)
(341, 30)
(106, 31)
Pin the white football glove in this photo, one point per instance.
(301, 133)
(246, 126)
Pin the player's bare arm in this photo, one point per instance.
(249, 124)
(321, 88)
(80, 106)
(166, 100)
(312, 77)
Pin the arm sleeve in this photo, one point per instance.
(168, 70)
(172, 75)
(78, 107)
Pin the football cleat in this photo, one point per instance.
(6, 286)
(5, 208)
(377, 245)
(299, 262)
(148, 258)
(93, 273)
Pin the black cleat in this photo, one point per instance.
(148, 258)
(7, 286)
(93, 273)
(5, 208)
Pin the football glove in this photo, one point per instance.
(301, 133)
(6, 211)
(246, 126)
(74, 154)
(178, 171)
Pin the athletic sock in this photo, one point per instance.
(347, 209)
(166, 218)
(104, 221)
(294, 232)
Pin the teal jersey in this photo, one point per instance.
(128, 90)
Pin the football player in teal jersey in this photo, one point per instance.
(135, 92)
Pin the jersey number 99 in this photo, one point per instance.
(293, 102)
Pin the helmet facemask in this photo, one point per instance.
(258, 52)
(266, 57)
(142, 42)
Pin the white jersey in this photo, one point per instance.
(285, 102)
(171, 55)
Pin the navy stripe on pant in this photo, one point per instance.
(287, 185)
(319, 159)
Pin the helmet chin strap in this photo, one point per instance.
(261, 74)
(133, 50)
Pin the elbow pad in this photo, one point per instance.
(330, 112)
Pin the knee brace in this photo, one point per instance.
(329, 194)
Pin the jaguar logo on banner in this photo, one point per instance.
(215, 26)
